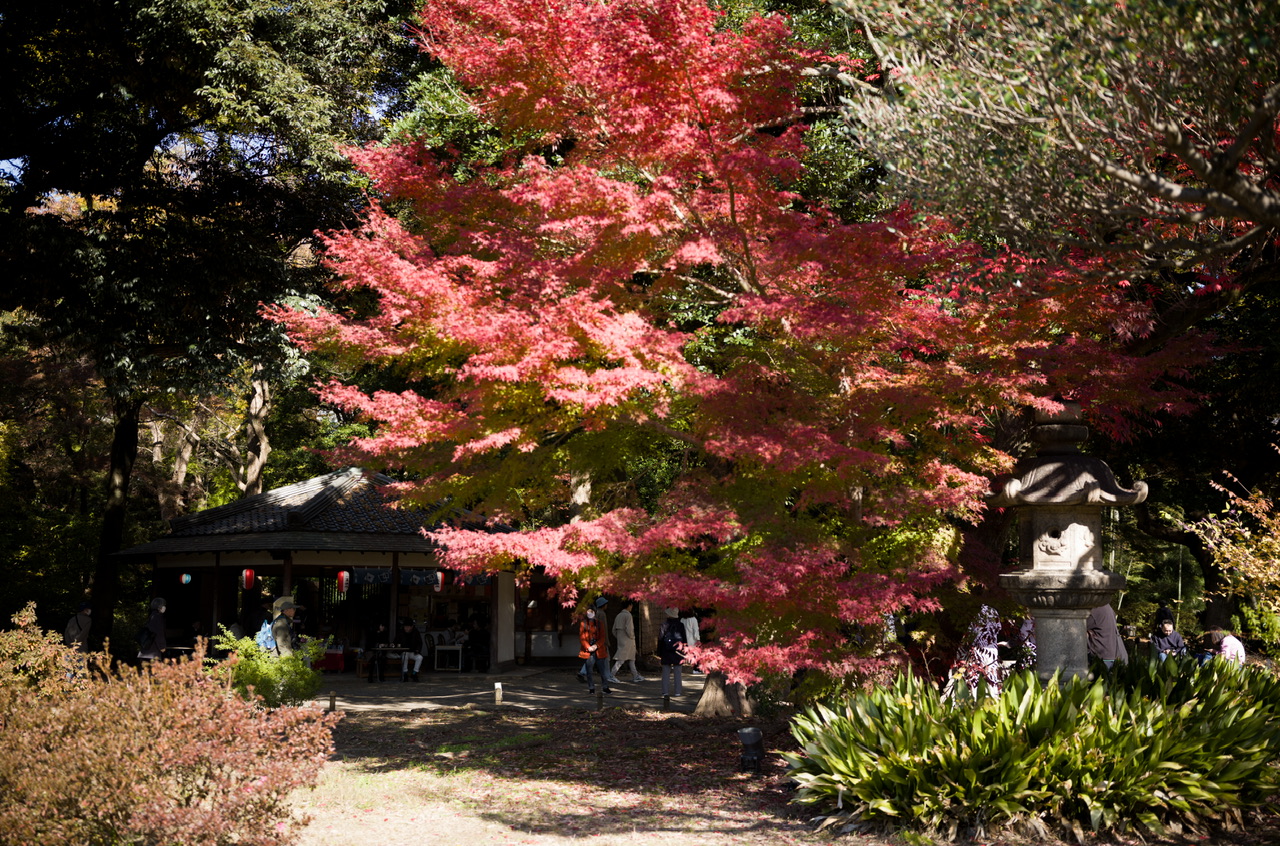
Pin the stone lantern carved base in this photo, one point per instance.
(1059, 494)
(1060, 603)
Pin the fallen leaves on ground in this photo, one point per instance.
(577, 773)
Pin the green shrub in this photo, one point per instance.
(166, 753)
(276, 680)
(1153, 746)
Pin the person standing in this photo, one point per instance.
(1104, 637)
(76, 634)
(692, 635)
(593, 642)
(584, 672)
(153, 643)
(625, 636)
(410, 643)
(603, 619)
(671, 642)
(282, 627)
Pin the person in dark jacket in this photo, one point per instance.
(671, 641)
(1164, 640)
(77, 631)
(1104, 637)
(154, 650)
(282, 626)
(410, 643)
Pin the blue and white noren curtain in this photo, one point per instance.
(424, 578)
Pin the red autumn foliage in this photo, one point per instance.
(651, 287)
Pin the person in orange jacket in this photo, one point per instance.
(593, 643)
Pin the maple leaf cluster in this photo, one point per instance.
(637, 284)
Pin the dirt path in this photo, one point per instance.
(467, 776)
(461, 777)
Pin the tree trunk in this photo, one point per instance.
(178, 475)
(723, 700)
(259, 446)
(106, 578)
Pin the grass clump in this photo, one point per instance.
(1154, 747)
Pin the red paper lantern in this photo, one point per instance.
(344, 581)
(246, 579)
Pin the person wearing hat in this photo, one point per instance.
(603, 619)
(282, 625)
(77, 631)
(671, 642)
(410, 642)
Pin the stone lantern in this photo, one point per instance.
(1060, 494)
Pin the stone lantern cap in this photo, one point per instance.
(1059, 474)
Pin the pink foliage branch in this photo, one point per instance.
(828, 452)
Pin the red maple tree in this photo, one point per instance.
(637, 286)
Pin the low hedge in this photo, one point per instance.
(96, 752)
(1151, 747)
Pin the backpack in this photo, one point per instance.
(264, 638)
(672, 636)
(146, 638)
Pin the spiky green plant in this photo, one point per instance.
(1151, 746)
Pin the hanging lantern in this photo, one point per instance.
(439, 585)
(185, 578)
(246, 579)
(344, 581)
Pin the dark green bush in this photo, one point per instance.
(1154, 746)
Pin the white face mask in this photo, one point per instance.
(591, 615)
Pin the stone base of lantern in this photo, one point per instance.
(1060, 602)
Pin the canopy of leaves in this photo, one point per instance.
(186, 150)
(639, 278)
(1147, 126)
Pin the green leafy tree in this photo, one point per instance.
(199, 141)
(1145, 130)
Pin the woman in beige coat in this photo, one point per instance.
(625, 634)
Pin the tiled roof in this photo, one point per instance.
(346, 510)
